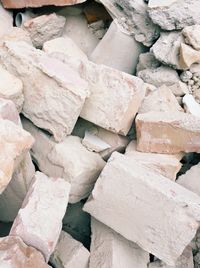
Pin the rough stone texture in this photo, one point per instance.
(64, 45)
(147, 61)
(192, 36)
(166, 164)
(190, 105)
(167, 48)
(68, 159)
(14, 253)
(47, 198)
(44, 28)
(69, 253)
(11, 88)
(188, 56)
(115, 97)
(132, 17)
(15, 142)
(111, 250)
(108, 52)
(126, 194)
(175, 15)
(6, 20)
(17, 34)
(36, 3)
(55, 101)
(170, 132)
(184, 261)
(161, 100)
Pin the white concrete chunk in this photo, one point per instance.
(145, 207)
(39, 221)
(190, 105)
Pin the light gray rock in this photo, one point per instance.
(192, 36)
(147, 61)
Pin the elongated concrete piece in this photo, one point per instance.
(69, 253)
(47, 198)
(128, 194)
(168, 132)
(111, 250)
(56, 100)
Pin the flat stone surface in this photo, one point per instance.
(168, 132)
(192, 36)
(190, 105)
(111, 250)
(14, 253)
(188, 56)
(69, 253)
(39, 221)
(6, 20)
(55, 101)
(125, 195)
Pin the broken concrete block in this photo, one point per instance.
(174, 15)
(191, 35)
(146, 61)
(167, 48)
(115, 97)
(15, 143)
(14, 253)
(44, 28)
(108, 52)
(126, 193)
(6, 20)
(69, 253)
(50, 197)
(11, 88)
(168, 132)
(36, 3)
(184, 261)
(166, 164)
(109, 249)
(161, 100)
(188, 56)
(64, 45)
(132, 17)
(68, 159)
(190, 105)
(56, 100)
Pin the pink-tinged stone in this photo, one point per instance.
(14, 253)
(9, 111)
(40, 3)
(145, 207)
(39, 221)
(168, 132)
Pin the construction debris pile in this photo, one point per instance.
(100, 134)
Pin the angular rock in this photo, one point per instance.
(192, 36)
(14, 253)
(46, 197)
(146, 61)
(11, 88)
(167, 48)
(132, 17)
(55, 101)
(9, 111)
(15, 142)
(6, 20)
(68, 159)
(168, 132)
(188, 56)
(109, 249)
(64, 45)
(17, 34)
(161, 100)
(69, 253)
(108, 52)
(36, 3)
(44, 28)
(176, 14)
(190, 105)
(165, 164)
(126, 193)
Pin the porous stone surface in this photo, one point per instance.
(55, 101)
(168, 132)
(118, 200)
(46, 196)
(14, 253)
(188, 56)
(69, 253)
(109, 249)
(192, 36)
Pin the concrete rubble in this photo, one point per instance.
(99, 134)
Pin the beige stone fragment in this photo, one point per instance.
(126, 195)
(188, 56)
(192, 36)
(39, 221)
(168, 132)
(14, 253)
(69, 253)
(17, 34)
(190, 105)
(166, 164)
(6, 20)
